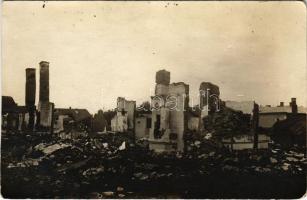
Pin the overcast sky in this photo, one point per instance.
(101, 50)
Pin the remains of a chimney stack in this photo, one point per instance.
(44, 82)
(163, 77)
(293, 105)
(30, 95)
(45, 108)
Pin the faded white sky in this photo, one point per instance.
(101, 50)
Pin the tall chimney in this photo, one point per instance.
(293, 105)
(163, 77)
(45, 108)
(30, 95)
(44, 82)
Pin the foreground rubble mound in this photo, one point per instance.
(111, 165)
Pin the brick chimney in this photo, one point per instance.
(44, 82)
(293, 105)
(30, 95)
(281, 104)
(163, 77)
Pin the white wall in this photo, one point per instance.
(268, 120)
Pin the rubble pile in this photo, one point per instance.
(112, 165)
(276, 160)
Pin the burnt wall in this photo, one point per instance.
(163, 77)
(209, 95)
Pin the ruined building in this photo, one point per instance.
(209, 101)
(143, 123)
(16, 117)
(169, 116)
(30, 96)
(209, 97)
(45, 108)
(12, 116)
(68, 119)
(125, 115)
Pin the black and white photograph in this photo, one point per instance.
(153, 100)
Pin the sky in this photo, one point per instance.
(101, 50)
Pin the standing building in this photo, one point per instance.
(269, 115)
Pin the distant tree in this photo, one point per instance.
(108, 115)
(227, 123)
(99, 121)
(145, 106)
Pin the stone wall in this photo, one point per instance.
(128, 107)
(169, 120)
(46, 114)
(141, 128)
(120, 122)
(193, 123)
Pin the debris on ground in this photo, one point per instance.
(112, 165)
